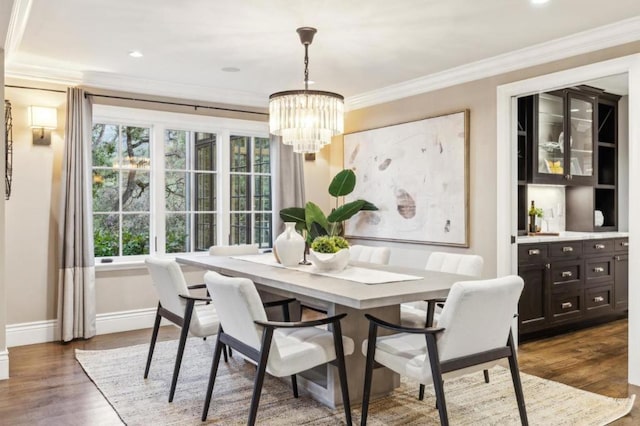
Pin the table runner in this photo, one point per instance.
(351, 273)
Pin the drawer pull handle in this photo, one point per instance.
(617, 258)
(534, 252)
(566, 274)
(567, 305)
(567, 249)
(625, 244)
(598, 246)
(598, 299)
(598, 269)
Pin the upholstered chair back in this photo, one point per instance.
(369, 254)
(463, 264)
(238, 305)
(236, 250)
(478, 316)
(169, 283)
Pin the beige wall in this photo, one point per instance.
(31, 214)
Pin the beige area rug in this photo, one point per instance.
(118, 375)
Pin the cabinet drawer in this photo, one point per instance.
(566, 273)
(566, 249)
(531, 253)
(621, 244)
(599, 268)
(599, 299)
(597, 246)
(566, 306)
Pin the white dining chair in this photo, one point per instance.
(177, 305)
(235, 250)
(474, 328)
(369, 254)
(280, 348)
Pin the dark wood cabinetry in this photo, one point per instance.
(568, 282)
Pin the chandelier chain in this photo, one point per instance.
(306, 67)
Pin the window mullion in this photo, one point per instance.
(223, 217)
(158, 213)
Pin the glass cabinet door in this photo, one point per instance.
(551, 115)
(580, 129)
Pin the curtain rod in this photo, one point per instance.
(194, 106)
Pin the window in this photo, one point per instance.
(174, 183)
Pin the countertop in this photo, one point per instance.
(569, 236)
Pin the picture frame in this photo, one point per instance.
(417, 174)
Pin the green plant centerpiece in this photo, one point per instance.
(322, 232)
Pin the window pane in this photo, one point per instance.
(261, 156)
(205, 192)
(105, 191)
(262, 229)
(175, 191)
(240, 153)
(104, 145)
(240, 228)
(177, 233)
(262, 192)
(175, 149)
(205, 152)
(105, 235)
(205, 228)
(135, 190)
(135, 147)
(135, 234)
(240, 192)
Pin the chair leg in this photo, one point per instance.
(486, 375)
(152, 345)
(183, 339)
(212, 376)
(224, 352)
(431, 310)
(342, 371)
(436, 374)
(517, 384)
(294, 385)
(368, 372)
(421, 393)
(261, 370)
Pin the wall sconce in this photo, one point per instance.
(42, 120)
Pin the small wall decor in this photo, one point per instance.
(8, 149)
(417, 174)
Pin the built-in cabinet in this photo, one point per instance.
(569, 137)
(571, 282)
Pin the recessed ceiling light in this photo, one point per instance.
(230, 69)
(136, 54)
(539, 1)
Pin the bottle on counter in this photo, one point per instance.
(532, 217)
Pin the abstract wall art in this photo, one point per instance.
(417, 174)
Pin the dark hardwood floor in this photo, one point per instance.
(48, 387)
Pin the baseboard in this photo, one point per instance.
(4, 365)
(47, 331)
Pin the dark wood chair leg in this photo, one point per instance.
(224, 353)
(486, 375)
(421, 393)
(152, 345)
(183, 339)
(517, 384)
(262, 368)
(342, 371)
(368, 372)
(431, 311)
(438, 384)
(212, 377)
(294, 385)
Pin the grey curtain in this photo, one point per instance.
(289, 181)
(76, 278)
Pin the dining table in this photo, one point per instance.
(361, 288)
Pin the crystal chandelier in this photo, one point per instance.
(306, 119)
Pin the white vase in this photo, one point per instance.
(289, 245)
(330, 262)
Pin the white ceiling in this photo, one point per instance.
(361, 46)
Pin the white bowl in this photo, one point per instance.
(330, 262)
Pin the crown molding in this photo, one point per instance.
(44, 74)
(584, 42)
(17, 24)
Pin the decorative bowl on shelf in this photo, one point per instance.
(330, 262)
